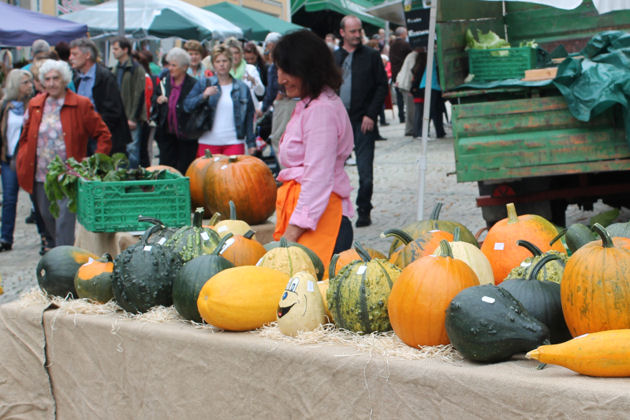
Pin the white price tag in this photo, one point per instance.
(526, 264)
(224, 167)
(90, 261)
(162, 241)
(488, 299)
(217, 158)
(309, 286)
(499, 246)
(361, 269)
(222, 229)
(259, 262)
(147, 247)
(204, 236)
(227, 244)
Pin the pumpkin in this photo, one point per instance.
(191, 278)
(196, 174)
(288, 259)
(323, 289)
(301, 307)
(357, 296)
(245, 180)
(419, 298)
(317, 262)
(603, 353)
(577, 235)
(157, 168)
(500, 245)
(417, 248)
(472, 256)
(242, 298)
(551, 271)
(595, 288)
(160, 235)
(58, 267)
(416, 229)
(540, 298)
(339, 261)
(192, 241)
(94, 279)
(237, 227)
(619, 230)
(144, 274)
(242, 249)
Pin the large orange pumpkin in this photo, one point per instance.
(423, 291)
(243, 250)
(500, 245)
(245, 180)
(423, 245)
(196, 173)
(595, 286)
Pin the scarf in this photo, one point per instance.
(17, 107)
(239, 72)
(173, 98)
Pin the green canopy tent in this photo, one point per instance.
(255, 25)
(323, 16)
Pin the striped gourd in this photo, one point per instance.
(192, 241)
(357, 296)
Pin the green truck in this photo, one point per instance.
(521, 144)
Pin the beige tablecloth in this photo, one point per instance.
(104, 366)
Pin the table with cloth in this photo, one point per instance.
(70, 365)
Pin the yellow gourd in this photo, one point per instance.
(232, 225)
(604, 353)
(472, 256)
(323, 289)
(301, 307)
(288, 259)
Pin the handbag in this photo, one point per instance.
(199, 120)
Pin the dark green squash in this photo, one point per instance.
(577, 235)
(58, 267)
(191, 278)
(144, 274)
(192, 241)
(487, 324)
(317, 262)
(162, 234)
(415, 229)
(551, 271)
(94, 279)
(541, 299)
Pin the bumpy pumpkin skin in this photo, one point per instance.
(192, 241)
(357, 296)
(317, 262)
(290, 260)
(500, 245)
(242, 298)
(57, 269)
(419, 298)
(94, 280)
(595, 288)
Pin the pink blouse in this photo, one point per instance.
(317, 141)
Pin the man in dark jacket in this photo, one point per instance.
(398, 50)
(363, 92)
(96, 82)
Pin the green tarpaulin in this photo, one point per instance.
(343, 7)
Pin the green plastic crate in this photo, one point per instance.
(115, 206)
(500, 63)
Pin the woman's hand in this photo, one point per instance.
(293, 233)
(251, 151)
(210, 90)
(162, 99)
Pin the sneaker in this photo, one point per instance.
(363, 220)
(5, 246)
(351, 161)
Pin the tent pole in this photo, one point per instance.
(422, 164)
(121, 17)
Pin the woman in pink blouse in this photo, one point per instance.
(313, 205)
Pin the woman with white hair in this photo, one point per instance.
(18, 90)
(176, 148)
(58, 122)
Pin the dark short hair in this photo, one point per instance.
(123, 43)
(63, 49)
(305, 55)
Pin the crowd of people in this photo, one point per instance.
(324, 97)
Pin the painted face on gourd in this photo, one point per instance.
(291, 302)
(301, 307)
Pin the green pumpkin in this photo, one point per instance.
(192, 241)
(357, 296)
(191, 278)
(317, 262)
(416, 229)
(162, 234)
(577, 235)
(144, 275)
(94, 279)
(58, 267)
(550, 272)
(619, 230)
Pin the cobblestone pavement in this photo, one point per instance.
(396, 176)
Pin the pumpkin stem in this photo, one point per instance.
(456, 233)
(401, 235)
(221, 244)
(539, 265)
(151, 220)
(207, 154)
(284, 243)
(560, 234)
(233, 158)
(214, 219)
(607, 241)
(365, 256)
(107, 257)
(445, 249)
(198, 217)
(148, 234)
(530, 247)
(511, 213)
(249, 234)
(435, 213)
(232, 210)
(333, 266)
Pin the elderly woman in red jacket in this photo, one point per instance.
(58, 122)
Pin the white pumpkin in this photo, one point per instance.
(301, 306)
(475, 259)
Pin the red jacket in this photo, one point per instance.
(79, 122)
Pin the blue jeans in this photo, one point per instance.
(9, 202)
(364, 150)
(133, 148)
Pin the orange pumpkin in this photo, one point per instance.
(243, 250)
(246, 181)
(423, 245)
(500, 245)
(595, 286)
(196, 173)
(344, 258)
(155, 168)
(423, 291)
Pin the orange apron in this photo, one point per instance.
(321, 240)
